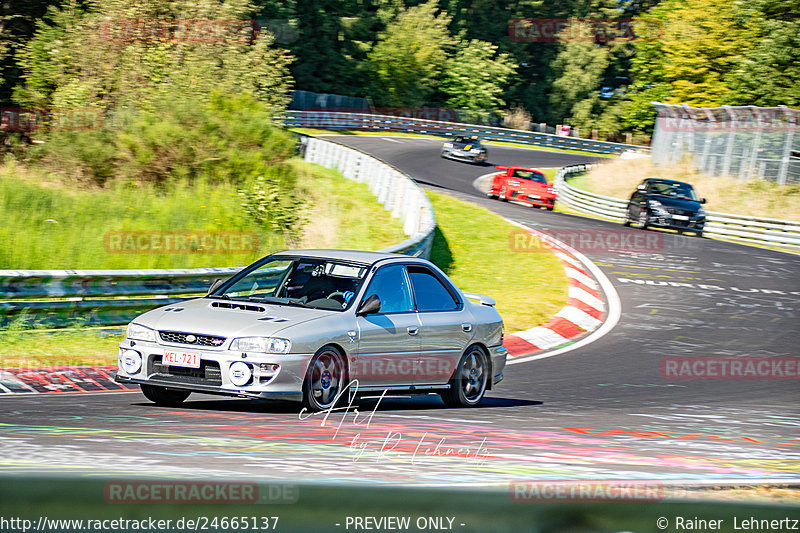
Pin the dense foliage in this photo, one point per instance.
(439, 53)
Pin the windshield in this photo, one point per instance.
(681, 191)
(529, 175)
(302, 282)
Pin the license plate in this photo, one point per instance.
(187, 359)
(680, 217)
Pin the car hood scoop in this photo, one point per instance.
(239, 306)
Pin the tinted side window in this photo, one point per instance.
(391, 286)
(430, 293)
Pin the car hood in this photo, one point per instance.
(227, 318)
(668, 201)
(467, 146)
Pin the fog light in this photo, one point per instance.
(240, 373)
(130, 361)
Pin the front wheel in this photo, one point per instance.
(643, 219)
(470, 380)
(164, 396)
(325, 380)
(627, 220)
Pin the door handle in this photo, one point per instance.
(413, 330)
(466, 327)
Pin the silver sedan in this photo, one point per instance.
(317, 325)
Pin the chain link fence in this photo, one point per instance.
(747, 142)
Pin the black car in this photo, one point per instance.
(465, 148)
(666, 203)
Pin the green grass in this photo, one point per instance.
(47, 225)
(317, 131)
(471, 245)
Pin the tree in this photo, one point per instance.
(475, 78)
(406, 63)
(768, 73)
(101, 57)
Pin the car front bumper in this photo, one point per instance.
(213, 376)
(670, 221)
(461, 155)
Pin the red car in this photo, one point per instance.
(523, 185)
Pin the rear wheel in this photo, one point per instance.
(325, 379)
(550, 207)
(164, 396)
(469, 383)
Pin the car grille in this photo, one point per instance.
(208, 374)
(200, 340)
(675, 211)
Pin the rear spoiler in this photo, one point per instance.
(482, 298)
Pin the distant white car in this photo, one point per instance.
(313, 325)
(465, 148)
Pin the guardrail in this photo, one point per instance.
(739, 228)
(54, 298)
(333, 120)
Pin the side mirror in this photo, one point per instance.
(640, 186)
(369, 306)
(702, 200)
(214, 286)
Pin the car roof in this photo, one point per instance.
(667, 180)
(356, 256)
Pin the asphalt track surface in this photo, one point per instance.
(603, 411)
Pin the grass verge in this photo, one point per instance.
(471, 245)
(46, 225)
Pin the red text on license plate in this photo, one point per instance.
(187, 359)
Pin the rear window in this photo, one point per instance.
(429, 292)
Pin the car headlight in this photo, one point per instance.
(475, 151)
(551, 190)
(448, 145)
(261, 345)
(701, 212)
(130, 361)
(140, 333)
(656, 206)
